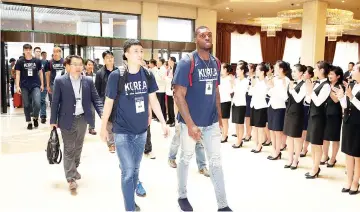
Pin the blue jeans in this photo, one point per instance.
(32, 106)
(199, 149)
(211, 138)
(130, 149)
(43, 104)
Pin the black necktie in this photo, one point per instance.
(317, 82)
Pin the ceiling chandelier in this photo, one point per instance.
(337, 21)
(271, 24)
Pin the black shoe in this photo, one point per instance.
(324, 162)
(237, 147)
(345, 190)
(247, 140)
(258, 151)
(225, 209)
(283, 148)
(137, 208)
(234, 135)
(331, 165)
(267, 144)
(274, 158)
(308, 176)
(294, 167)
(226, 140)
(351, 192)
(29, 127)
(43, 120)
(185, 205)
(303, 155)
(287, 166)
(36, 123)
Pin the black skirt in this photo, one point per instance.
(238, 114)
(258, 117)
(306, 117)
(293, 125)
(315, 130)
(351, 139)
(333, 128)
(225, 110)
(248, 109)
(276, 119)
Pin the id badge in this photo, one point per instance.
(209, 88)
(78, 103)
(139, 105)
(58, 73)
(30, 72)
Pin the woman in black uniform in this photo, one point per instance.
(333, 118)
(308, 75)
(294, 116)
(251, 75)
(350, 131)
(317, 94)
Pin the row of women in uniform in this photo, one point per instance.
(291, 114)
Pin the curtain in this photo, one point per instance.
(272, 48)
(292, 51)
(330, 48)
(346, 52)
(245, 47)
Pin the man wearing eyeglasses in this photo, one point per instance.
(73, 96)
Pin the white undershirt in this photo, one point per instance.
(225, 89)
(240, 89)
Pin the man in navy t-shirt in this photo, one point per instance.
(197, 97)
(29, 83)
(130, 120)
(53, 68)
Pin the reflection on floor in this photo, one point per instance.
(253, 183)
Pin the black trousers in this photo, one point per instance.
(161, 98)
(148, 145)
(171, 113)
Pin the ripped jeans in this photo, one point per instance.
(211, 138)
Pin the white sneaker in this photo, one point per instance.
(150, 155)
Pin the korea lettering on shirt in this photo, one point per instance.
(59, 68)
(29, 67)
(135, 89)
(208, 75)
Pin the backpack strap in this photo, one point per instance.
(219, 67)
(192, 66)
(120, 87)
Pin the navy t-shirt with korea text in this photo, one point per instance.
(29, 72)
(201, 96)
(133, 107)
(56, 67)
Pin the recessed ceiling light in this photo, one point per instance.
(343, 1)
(297, 4)
(221, 19)
(249, 13)
(234, 22)
(227, 8)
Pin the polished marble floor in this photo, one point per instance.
(253, 183)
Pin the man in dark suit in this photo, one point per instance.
(71, 111)
(347, 74)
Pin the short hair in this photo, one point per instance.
(106, 53)
(27, 46)
(67, 60)
(70, 57)
(56, 48)
(324, 65)
(173, 59)
(310, 70)
(12, 60)
(131, 42)
(338, 72)
(43, 53)
(37, 48)
(200, 27)
(88, 60)
(153, 61)
(352, 63)
(162, 60)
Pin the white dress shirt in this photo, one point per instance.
(168, 79)
(354, 100)
(278, 93)
(258, 93)
(240, 89)
(298, 97)
(225, 89)
(77, 87)
(323, 95)
(160, 79)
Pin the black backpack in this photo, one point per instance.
(121, 85)
(53, 151)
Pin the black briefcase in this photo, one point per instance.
(53, 150)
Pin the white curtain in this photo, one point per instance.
(292, 51)
(171, 29)
(346, 52)
(245, 47)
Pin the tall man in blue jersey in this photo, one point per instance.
(198, 99)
